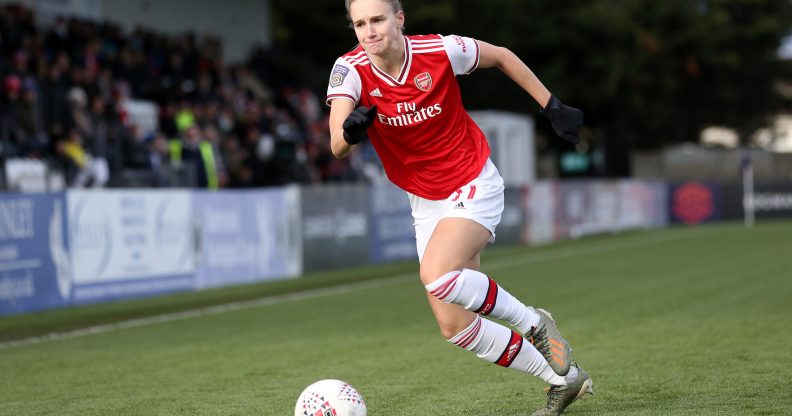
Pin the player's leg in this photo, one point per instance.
(497, 344)
(481, 202)
(444, 252)
(455, 245)
(453, 282)
(478, 293)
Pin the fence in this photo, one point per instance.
(76, 247)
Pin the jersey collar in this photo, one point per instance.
(395, 82)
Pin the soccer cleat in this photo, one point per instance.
(548, 340)
(560, 397)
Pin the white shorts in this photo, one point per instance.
(481, 200)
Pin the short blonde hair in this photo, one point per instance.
(395, 5)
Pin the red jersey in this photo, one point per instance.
(428, 144)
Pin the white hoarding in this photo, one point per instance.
(127, 235)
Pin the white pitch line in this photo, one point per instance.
(509, 261)
(211, 310)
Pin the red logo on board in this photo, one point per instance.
(693, 203)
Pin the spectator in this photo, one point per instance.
(212, 135)
(197, 155)
(83, 169)
(30, 120)
(78, 111)
(234, 159)
(107, 134)
(54, 102)
(158, 157)
(13, 116)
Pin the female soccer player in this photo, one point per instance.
(402, 91)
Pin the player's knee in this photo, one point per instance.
(449, 331)
(427, 274)
(433, 268)
(441, 287)
(430, 274)
(453, 327)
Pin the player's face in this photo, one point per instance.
(377, 27)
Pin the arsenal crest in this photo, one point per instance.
(423, 81)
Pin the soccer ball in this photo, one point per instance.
(330, 398)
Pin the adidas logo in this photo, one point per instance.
(557, 350)
(513, 350)
(460, 205)
(375, 93)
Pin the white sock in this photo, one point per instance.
(500, 345)
(478, 293)
(571, 375)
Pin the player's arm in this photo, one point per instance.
(340, 109)
(566, 121)
(348, 125)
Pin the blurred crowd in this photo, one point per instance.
(97, 104)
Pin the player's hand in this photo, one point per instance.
(357, 122)
(566, 120)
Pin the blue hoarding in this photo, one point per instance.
(34, 265)
(391, 234)
(247, 236)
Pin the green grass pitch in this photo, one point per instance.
(683, 321)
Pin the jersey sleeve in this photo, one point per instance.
(463, 52)
(344, 82)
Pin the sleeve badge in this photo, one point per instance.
(337, 76)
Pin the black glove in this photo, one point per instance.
(566, 120)
(357, 122)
